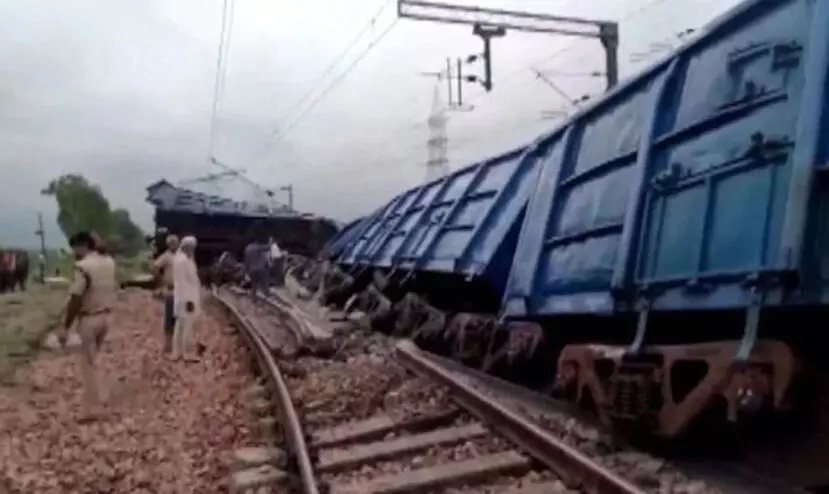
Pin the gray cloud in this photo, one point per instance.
(121, 92)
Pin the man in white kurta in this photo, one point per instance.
(186, 299)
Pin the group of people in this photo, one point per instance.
(180, 292)
(181, 288)
(93, 290)
(92, 296)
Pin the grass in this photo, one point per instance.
(126, 267)
(25, 319)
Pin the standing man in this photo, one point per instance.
(91, 298)
(277, 267)
(256, 265)
(163, 269)
(187, 299)
(41, 265)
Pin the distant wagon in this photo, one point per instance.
(223, 225)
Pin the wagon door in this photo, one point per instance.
(718, 189)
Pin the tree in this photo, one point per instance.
(82, 206)
(126, 234)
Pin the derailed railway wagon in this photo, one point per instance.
(225, 226)
(678, 237)
(666, 246)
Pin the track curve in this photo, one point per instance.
(285, 408)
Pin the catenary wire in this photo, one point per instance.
(336, 61)
(217, 83)
(336, 82)
(466, 142)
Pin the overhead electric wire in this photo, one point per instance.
(227, 44)
(568, 48)
(337, 59)
(471, 140)
(280, 134)
(336, 82)
(219, 79)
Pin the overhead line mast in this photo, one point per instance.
(492, 23)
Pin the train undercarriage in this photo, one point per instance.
(661, 388)
(773, 401)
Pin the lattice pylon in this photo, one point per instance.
(437, 163)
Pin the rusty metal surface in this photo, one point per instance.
(432, 478)
(287, 412)
(353, 456)
(728, 476)
(621, 396)
(575, 469)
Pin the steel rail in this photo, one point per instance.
(304, 331)
(575, 469)
(284, 406)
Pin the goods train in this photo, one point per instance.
(225, 226)
(663, 251)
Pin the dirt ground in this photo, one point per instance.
(171, 427)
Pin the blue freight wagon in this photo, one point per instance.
(670, 239)
(696, 189)
(341, 240)
(454, 233)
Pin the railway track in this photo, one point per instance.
(263, 473)
(370, 414)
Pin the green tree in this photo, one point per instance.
(82, 206)
(125, 233)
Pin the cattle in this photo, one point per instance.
(14, 270)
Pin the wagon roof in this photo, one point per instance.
(169, 198)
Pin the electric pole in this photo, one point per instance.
(486, 33)
(40, 233)
(290, 190)
(493, 23)
(454, 83)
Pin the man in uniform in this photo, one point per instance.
(91, 298)
(163, 268)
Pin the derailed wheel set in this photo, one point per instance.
(659, 258)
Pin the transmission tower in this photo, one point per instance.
(437, 164)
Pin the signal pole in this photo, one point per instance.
(454, 101)
(290, 190)
(492, 23)
(40, 233)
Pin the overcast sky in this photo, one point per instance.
(121, 91)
